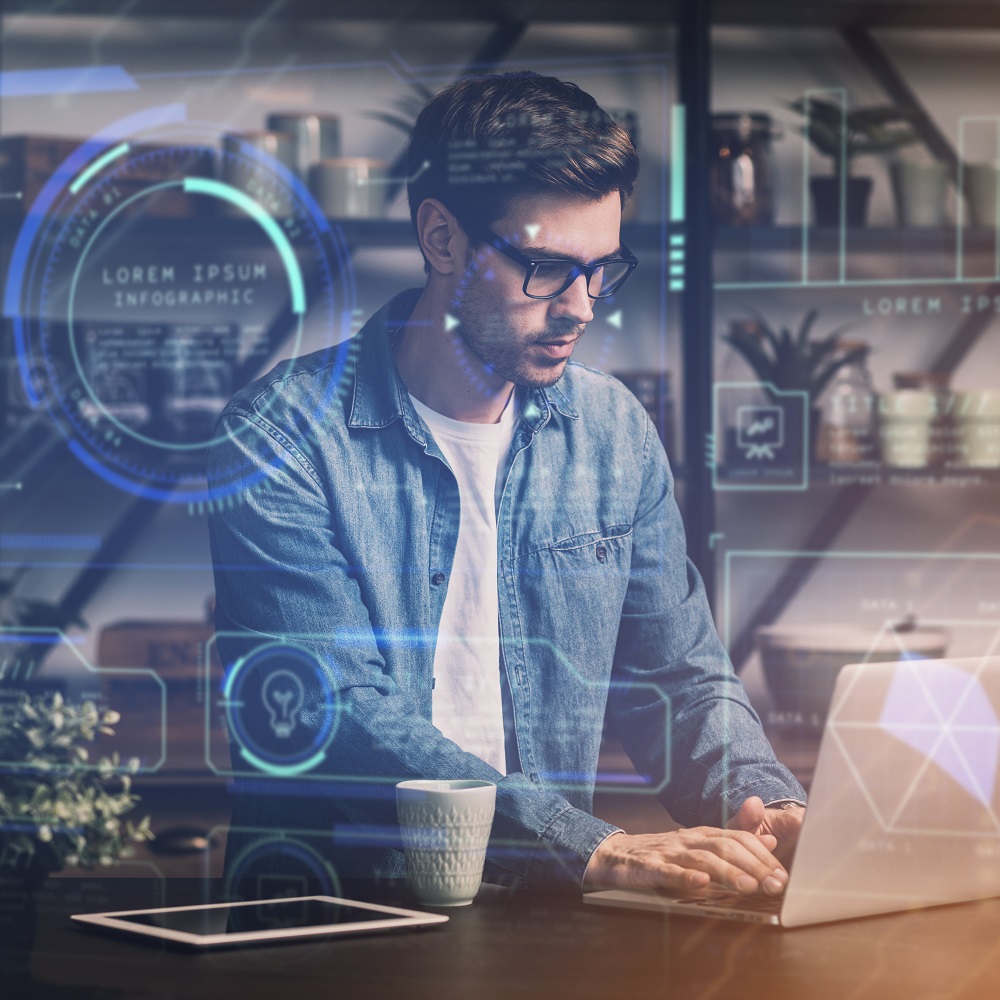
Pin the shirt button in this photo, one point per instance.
(602, 553)
(437, 579)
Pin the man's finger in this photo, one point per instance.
(686, 860)
(753, 845)
(722, 871)
(750, 816)
(749, 854)
(786, 824)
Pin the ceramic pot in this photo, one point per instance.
(826, 201)
(979, 184)
(919, 190)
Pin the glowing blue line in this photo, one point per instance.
(742, 286)
(21, 351)
(74, 80)
(136, 489)
(99, 164)
(960, 201)
(39, 214)
(282, 770)
(39, 640)
(200, 185)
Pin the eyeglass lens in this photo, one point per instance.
(550, 278)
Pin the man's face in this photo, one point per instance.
(522, 340)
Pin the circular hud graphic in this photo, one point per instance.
(281, 708)
(151, 279)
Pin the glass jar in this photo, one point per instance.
(942, 449)
(848, 429)
(741, 168)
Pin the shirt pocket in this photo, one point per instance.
(574, 589)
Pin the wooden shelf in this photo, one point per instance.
(778, 13)
(888, 240)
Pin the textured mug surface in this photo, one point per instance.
(446, 827)
(350, 187)
(977, 417)
(906, 417)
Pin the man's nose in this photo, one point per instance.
(574, 303)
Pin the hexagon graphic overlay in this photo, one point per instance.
(945, 713)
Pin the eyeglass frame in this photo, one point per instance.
(484, 234)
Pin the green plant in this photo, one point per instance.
(56, 808)
(843, 135)
(785, 361)
(407, 108)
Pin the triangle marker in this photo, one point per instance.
(450, 322)
(532, 230)
(615, 319)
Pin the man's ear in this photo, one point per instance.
(441, 237)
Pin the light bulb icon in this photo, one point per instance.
(283, 695)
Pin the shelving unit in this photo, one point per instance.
(720, 263)
(862, 532)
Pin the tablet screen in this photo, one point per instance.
(263, 916)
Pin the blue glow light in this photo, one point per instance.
(73, 80)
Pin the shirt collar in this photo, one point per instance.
(380, 397)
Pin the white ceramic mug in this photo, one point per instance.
(977, 417)
(446, 827)
(350, 187)
(919, 190)
(906, 418)
(314, 137)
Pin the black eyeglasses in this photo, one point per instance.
(548, 277)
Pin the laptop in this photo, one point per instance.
(904, 809)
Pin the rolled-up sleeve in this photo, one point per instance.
(676, 703)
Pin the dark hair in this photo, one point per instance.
(486, 139)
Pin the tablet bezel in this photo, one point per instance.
(396, 919)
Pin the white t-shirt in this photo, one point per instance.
(467, 705)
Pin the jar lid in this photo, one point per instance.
(921, 380)
(744, 122)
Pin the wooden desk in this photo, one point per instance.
(518, 945)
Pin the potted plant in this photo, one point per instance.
(843, 135)
(785, 362)
(57, 808)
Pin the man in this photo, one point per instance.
(478, 540)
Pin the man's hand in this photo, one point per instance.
(687, 861)
(781, 825)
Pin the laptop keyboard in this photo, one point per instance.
(722, 898)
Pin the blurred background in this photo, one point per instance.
(812, 326)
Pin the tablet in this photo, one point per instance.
(217, 925)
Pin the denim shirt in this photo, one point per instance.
(335, 523)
